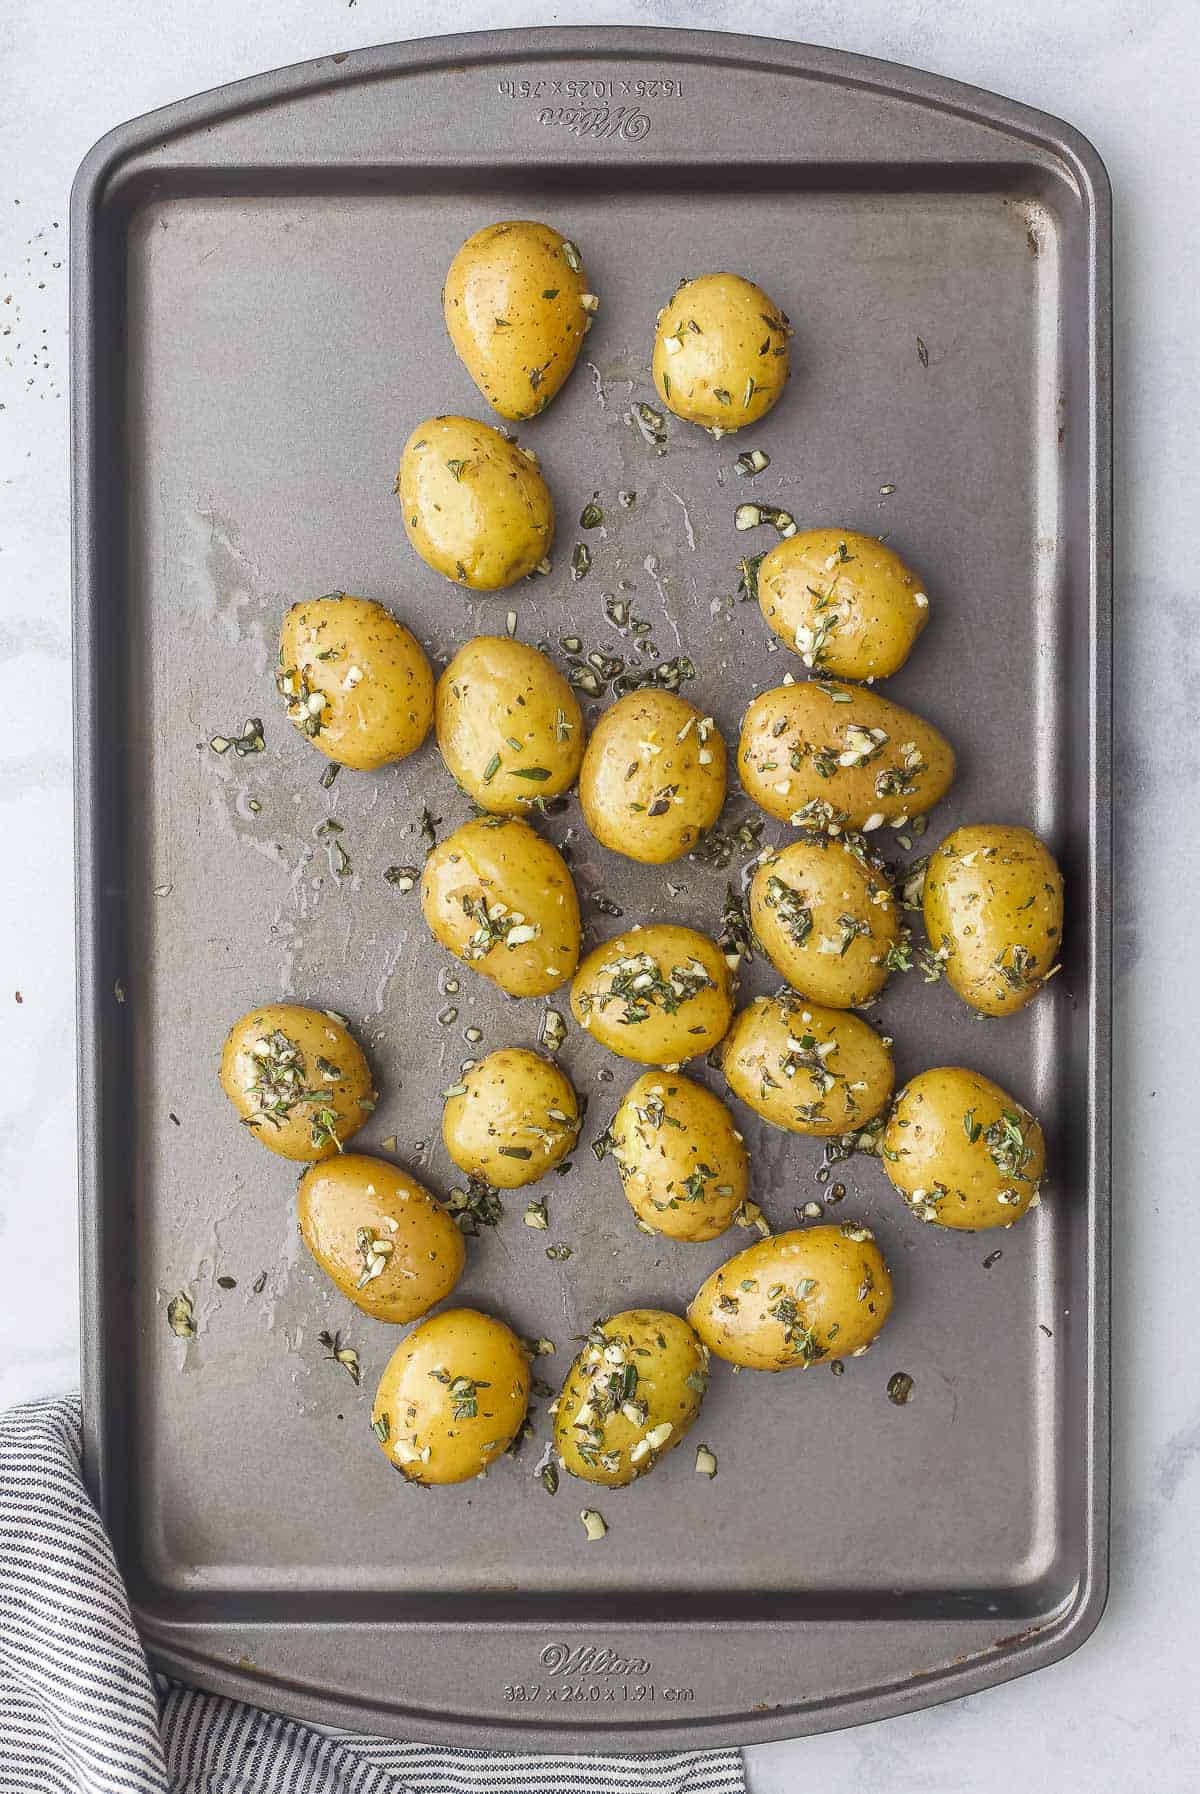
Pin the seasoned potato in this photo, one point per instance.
(630, 1396)
(796, 1298)
(502, 899)
(682, 1161)
(721, 356)
(298, 1078)
(453, 1397)
(517, 307)
(509, 727)
(356, 681)
(807, 1069)
(961, 1151)
(513, 1117)
(827, 920)
(825, 756)
(653, 776)
(379, 1235)
(659, 994)
(846, 604)
(476, 507)
(994, 913)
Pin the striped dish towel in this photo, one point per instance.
(80, 1712)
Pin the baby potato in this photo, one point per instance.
(517, 307)
(807, 1069)
(721, 355)
(509, 727)
(827, 920)
(298, 1077)
(453, 1397)
(796, 1298)
(356, 681)
(653, 776)
(847, 605)
(682, 1161)
(379, 1236)
(513, 1117)
(630, 1396)
(476, 507)
(659, 994)
(500, 898)
(834, 757)
(961, 1151)
(994, 914)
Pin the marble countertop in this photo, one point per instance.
(1116, 1713)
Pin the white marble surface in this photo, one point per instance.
(1121, 1713)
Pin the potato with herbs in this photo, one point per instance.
(961, 1151)
(805, 1068)
(721, 352)
(835, 757)
(297, 1078)
(659, 994)
(475, 505)
(509, 727)
(379, 1236)
(517, 307)
(844, 603)
(630, 1396)
(796, 1299)
(653, 776)
(826, 918)
(513, 1117)
(994, 913)
(356, 682)
(501, 899)
(683, 1163)
(453, 1397)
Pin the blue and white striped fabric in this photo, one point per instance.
(81, 1714)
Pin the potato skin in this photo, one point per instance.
(826, 1092)
(479, 880)
(721, 352)
(994, 911)
(516, 1118)
(848, 606)
(653, 776)
(595, 1436)
(681, 1010)
(794, 738)
(795, 1299)
(683, 1163)
(514, 306)
(453, 1361)
(379, 1236)
(961, 1151)
(371, 672)
(272, 1059)
(496, 692)
(475, 506)
(826, 918)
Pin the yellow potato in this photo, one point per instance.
(796, 1298)
(380, 1236)
(453, 1397)
(827, 920)
(682, 1162)
(298, 1078)
(659, 994)
(517, 307)
(847, 605)
(833, 757)
(476, 507)
(961, 1151)
(630, 1396)
(509, 727)
(500, 898)
(994, 914)
(513, 1117)
(653, 776)
(721, 356)
(807, 1069)
(356, 681)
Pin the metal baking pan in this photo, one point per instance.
(255, 302)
